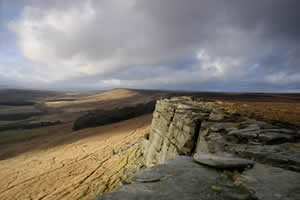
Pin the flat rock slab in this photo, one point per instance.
(222, 161)
(178, 179)
(271, 183)
(276, 155)
(266, 136)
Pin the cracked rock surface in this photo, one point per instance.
(180, 178)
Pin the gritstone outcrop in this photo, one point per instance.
(199, 150)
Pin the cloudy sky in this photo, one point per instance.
(208, 45)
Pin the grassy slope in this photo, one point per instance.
(71, 165)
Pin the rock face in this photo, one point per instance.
(174, 130)
(183, 126)
(234, 157)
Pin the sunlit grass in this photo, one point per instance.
(286, 112)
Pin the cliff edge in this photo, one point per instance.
(198, 149)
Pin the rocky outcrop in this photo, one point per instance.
(234, 157)
(183, 126)
(175, 128)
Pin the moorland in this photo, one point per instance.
(61, 145)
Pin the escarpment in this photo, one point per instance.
(199, 150)
(182, 126)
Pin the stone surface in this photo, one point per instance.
(221, 161)
(178, 179)
(277, 155)
(174, 130)
(184, 179)
(266, 136)
(216, 116)
(270, 183)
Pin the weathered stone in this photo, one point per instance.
(178, 125)
(270, 183)
(178, 179)
(268, 137)
(212, 138)
(265, 136)
(218, 127)
(216, 116)
(276, 155)
(221, 161)
(181, 126)
(254, 122)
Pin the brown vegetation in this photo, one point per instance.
(65, 165)
(55, 163)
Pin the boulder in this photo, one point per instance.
(222, 161)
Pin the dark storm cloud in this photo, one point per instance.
(278, 19)
(208, 45)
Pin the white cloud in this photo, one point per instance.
(92, 37)
(111, 83)
(75, 41)
(220, 67)
(282, 78)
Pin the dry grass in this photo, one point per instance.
(94, 98)
(281, 111)
(75, 169)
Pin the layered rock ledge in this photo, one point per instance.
(235, 157)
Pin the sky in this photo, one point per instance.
(195, 45)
